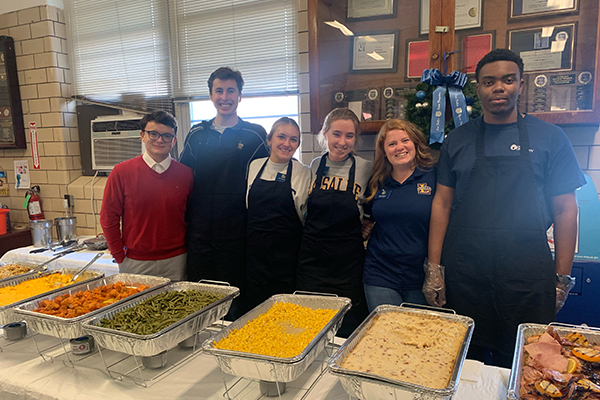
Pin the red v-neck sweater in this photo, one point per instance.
(151, 208)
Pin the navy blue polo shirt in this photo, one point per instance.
(555, 166)
(398, 243)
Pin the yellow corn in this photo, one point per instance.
(283, 331)
(32, 287)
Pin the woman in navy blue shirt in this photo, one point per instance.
(399, 200)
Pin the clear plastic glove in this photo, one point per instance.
(562, 290)
(434, 287)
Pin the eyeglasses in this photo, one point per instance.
(166, 137)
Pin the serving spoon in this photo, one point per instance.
(97, 256)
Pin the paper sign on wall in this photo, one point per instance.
(22, 174)
(35, 154)
(3, 184)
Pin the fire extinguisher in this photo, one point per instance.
(33, 203)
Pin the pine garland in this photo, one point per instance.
(421, 116)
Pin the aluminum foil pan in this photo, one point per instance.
(70, 328)
(527, 330)
(270, 368)
(25, 264)
(149, 345)
(7, 314)
(366, 386)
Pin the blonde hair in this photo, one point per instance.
(336, 115)
(284, 121)
(382, 168)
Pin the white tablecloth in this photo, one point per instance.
(26, 375)
(73, 260)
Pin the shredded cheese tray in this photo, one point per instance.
(416, 349)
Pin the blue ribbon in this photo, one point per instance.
(455, 81)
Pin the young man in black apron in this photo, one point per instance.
(503, 179)
(219, 151)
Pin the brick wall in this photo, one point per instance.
(44, 77)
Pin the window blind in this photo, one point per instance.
(257, 37)
(120, 51)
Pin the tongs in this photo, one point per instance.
(57, 256)
(55, 246)
(97, 256)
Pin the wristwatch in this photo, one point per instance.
(566, 280)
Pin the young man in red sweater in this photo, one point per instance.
(144, 205)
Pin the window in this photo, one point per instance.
(259, 110)
(132, 51)
(257, 37)
(120, 50)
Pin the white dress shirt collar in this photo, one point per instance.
(158, 167)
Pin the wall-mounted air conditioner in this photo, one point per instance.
(115, 138)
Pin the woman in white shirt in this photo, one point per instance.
(276, 201)
(332, 251)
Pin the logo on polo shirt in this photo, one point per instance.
(516, 147)
(422, 188)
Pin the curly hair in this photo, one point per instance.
(382, 168)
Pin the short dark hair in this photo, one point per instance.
(499, 55)
(160, 117)
(225, 73)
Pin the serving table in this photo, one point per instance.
(26, 375)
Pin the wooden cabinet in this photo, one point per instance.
(14, 240)
(329, 51)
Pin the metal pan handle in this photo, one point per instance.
(582, 326)
(439, 309)
(315, 293)
(214, 282)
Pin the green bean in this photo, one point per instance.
(160, 311)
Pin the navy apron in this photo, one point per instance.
(332, 252)
(217, 218)
(273, 240)
(499, 268)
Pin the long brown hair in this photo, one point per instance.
(336, 115)
(382, 168)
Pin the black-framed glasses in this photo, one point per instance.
(166, 137)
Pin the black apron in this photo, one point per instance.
(332, 252)
(217, 218)
(499, 268)
(274, 234)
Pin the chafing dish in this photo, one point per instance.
(274, 369)
(68, 328)
(7, 314)
(24, 264)
(367, 386)
(166, 339)
(527, 330)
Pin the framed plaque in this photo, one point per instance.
(473, 49)
(544, 49)
(559, 91)
(393, 103)
(417, 58)
(374, 52)
(538, 8)
(366, 103)
(467, 15)
(361, 10)
(12, 129)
